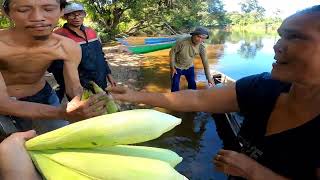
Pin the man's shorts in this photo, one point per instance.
(45, 96)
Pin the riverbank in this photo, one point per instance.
(126, 69)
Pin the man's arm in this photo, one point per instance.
(106, 64)
(29, 110)
(76, 109)
(204, 59)
(105, 67)
(215, 100)
(109, 76)
(70, 69)
(172, 54)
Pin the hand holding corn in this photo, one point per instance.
(78, 109)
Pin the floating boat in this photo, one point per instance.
(134, 41)
(141, 49)
(122, 41)
(228, 124)
(157, 40)
(131, 41)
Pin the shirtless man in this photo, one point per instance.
(26, 51)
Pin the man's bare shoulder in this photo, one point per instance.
(66, 42)
(70, 46)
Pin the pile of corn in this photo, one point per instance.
(100, 148)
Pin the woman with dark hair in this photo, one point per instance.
(280, 134)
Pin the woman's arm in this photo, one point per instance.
(215, 100)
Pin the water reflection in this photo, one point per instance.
(218, 37)
(196, 140)
(244, 53)
(249, 50)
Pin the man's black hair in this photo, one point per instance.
(6, 3)
(310, 10)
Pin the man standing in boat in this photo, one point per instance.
(182, 56)
(93, 66)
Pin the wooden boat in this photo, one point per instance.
(228, 124)
(157, 40)
(141, 49)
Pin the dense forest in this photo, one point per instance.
(114, 18)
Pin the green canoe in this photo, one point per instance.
(141, 49)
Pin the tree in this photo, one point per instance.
(218, 13)
(106, 13)
(248, 6)
(114, 16)
(252, 9)
(111, 17)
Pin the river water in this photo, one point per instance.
(196, 139)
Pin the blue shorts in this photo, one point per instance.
(45, 96)
(188, 73)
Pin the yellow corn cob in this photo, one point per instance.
(111, 106)
(108, 166)
(165, 155)
(86, 94)
(127, 127)
(54, 171)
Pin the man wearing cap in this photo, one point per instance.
(182, 56)
(27, 49)
(93, 66)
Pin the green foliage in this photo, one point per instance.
(217, 14)
(253, 9)
(253, 19)
(248, 6)
(154, 17)
(4, 22)
(105, 14)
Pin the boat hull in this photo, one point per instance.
(159, 40)
(141, 49)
